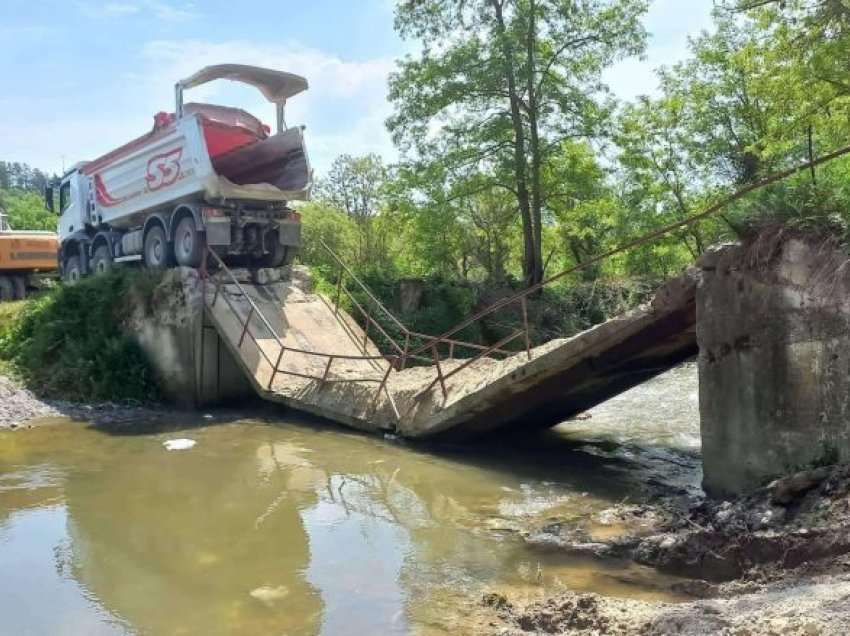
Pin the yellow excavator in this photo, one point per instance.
(24, 258)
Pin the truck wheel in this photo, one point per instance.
(276, 255)
(19, 287)
(73, 271)
(101, 262)
(187, 243)
(156, 248)
(6, 291)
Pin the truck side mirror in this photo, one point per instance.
(48, 199)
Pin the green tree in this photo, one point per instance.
(26, 210)
(500, 84)
(583, 206)
(355, 186)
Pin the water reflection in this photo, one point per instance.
(293, 529)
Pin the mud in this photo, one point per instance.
(815, 608)
(773, 562)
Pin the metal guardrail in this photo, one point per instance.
(256, 313)
(432, 343)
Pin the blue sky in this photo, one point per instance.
(82, 76)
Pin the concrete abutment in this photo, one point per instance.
(773, 327)
(193, 365)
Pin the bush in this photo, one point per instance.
(558, 312)
(69, 343)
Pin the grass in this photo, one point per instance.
(69, 343)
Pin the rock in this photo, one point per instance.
(494, 600)
(723, 514)
(268, 594)
(716, 256)
(241, 274)
(675, 291)
(785, 490)
(267, 276)
(696, 588)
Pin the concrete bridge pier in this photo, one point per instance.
(773, 327)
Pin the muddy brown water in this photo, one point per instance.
(299, 527)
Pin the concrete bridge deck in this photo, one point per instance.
(358, 388)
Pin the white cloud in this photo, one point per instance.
(326, 71)
(118, 9)
(171, 13)
(159, 10)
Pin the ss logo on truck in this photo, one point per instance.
(163, 169)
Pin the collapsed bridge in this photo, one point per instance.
(771, 319)
(303, 350)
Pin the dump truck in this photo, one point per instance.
(204, 176)
(24, 257)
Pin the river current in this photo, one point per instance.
(288, 525)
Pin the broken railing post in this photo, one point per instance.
(276, 366)
(390, 366)
(327, 370)
(525, 327)
(338, 290)
(436, 355)
(245, 328)
(403, 363)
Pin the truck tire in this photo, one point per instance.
(188, 245)
(6, 290)
(277, 255)
(101, 262)
(73, 271)
(156, 248)
(19, 287)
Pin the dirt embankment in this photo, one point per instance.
(774, 562)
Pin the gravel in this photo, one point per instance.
(18, 405)
(20, 408)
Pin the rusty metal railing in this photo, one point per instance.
(256, 314)
(402, 349)
(405, 352)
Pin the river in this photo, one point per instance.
(293, 526)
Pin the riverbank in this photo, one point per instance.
(818, 606)
(20, 408)
(773, 562)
